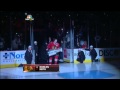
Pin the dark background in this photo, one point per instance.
(49, 24)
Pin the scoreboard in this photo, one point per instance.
(40, 67)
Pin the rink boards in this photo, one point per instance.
(12, 58)
(15, 58)
(102, 54)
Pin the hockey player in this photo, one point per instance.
(52, 46)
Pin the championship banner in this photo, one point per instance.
(53, 52)
(41, 67)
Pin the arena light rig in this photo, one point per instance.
(29, 17)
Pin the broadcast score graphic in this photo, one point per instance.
(41, 68)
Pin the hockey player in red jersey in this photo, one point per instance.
(51, 46)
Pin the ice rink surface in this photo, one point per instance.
(96, 70)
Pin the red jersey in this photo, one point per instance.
(53, 45)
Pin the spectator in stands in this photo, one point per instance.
(15, 44)
(61, 53)
(78, 45)
(50, 39)
(84, 45)
(36, 52)
(1, 44)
